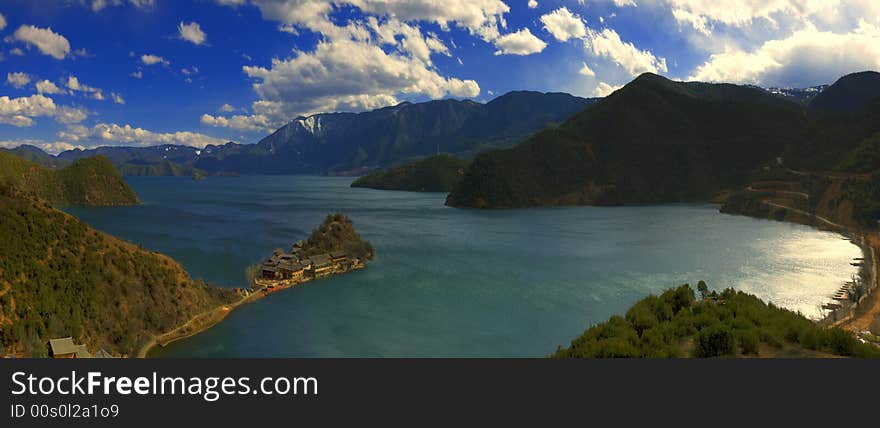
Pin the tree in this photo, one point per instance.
(703, 289)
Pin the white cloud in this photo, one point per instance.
(99, 5)
(624, 3)
(287, 28)
(364, 63)
(70, 115)
(240, 122)
(74, 85)
(192, 33)
(117, 98)
(350, 75)
(805, 58)
(16, 51)
(150, 59)
(104, 133)
(17, 80)
(479, 17)
(740, 13)
(21, 111)
(46, 41)
(2, 21)
(522, 42)
(137, 74)
(603, 89)
(564, 25)
(532, 4)
(698, 22)
(227, 108)
(49, 87)
(608, 43)
(587, 71)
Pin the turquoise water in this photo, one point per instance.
(451, 282)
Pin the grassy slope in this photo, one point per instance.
(730, 324)
(652, 141)
(438, 173)
(66, 279)
(90, 181)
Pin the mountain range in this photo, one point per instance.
(657, 140)
(350, 143)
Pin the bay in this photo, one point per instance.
(453, 282)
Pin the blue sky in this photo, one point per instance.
(85, 73)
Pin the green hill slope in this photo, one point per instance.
(88, 181)
(652, 141)
(438, 173)
(729, 324)
(849, 93)
(63, 278)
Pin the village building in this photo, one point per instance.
(65, 348)
(291, 270)
(338, 257)
(321, 264)
(269, 271)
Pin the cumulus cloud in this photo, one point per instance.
(587, 71)
(17, 80)
(480, 17)
(564, 25)
(150, 59)
(740, 13)
(137, 74)
(522, 42)
(111, 133)
(70, 115)
(21, 111)
(805, 58)
(2, 21)
(532, 4)
(44, 39)
(99, 5)
(49, 87)
(240, 122)
(192, 33)
(346, 75)
(227, 108)
(603, 89)
(74, 85)
(368, 62)
(608, 44)
(117, 98)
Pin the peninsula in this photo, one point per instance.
(333, 248)
(438, 173)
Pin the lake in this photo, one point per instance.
(456, 283)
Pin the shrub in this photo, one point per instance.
(748, 342)
(715, 341)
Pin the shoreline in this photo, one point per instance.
(843, 316)
(205, 320)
